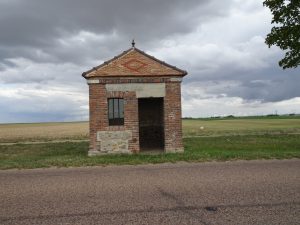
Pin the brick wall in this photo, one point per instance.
(131, 120)
(99, 113)
(172, 114)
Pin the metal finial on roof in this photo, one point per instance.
(133, 43)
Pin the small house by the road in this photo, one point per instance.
(135, 104)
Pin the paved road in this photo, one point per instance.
(244, 192)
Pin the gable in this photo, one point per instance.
(134, 62)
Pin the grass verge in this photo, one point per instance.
(196, 149)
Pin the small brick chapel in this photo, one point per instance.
(135, 105)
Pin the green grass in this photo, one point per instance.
(196, 149)
(205, 140)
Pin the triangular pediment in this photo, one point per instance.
(134, 63)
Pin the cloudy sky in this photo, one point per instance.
(46, 45)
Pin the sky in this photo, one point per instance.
(46, 45)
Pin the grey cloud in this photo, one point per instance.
(46, 45)
(36, 104)
(253, 73)
(25, 71)
(38, 24)
(263, 86)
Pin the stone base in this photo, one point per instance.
(175, 150)
(95, 153)
(112, 142)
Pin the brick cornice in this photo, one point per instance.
(99, 80)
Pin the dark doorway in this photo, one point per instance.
(151, 124)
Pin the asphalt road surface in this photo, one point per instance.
(241, 192)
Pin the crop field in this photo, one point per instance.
(25, 132)
(191, 128)
(239, 126)
(65, 144)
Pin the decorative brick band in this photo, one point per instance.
(122, 80)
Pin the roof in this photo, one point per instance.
(133, 63)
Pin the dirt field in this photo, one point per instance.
(209, 127)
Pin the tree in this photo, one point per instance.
(286, 32)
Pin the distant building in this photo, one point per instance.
(135, 105)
